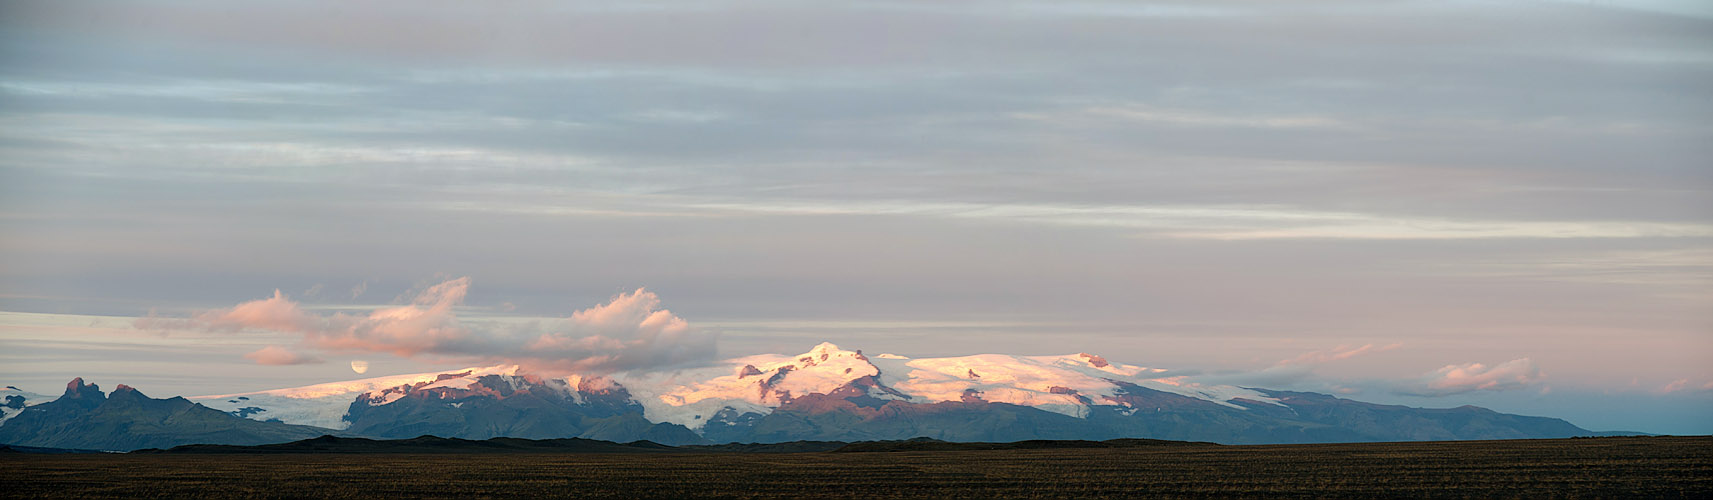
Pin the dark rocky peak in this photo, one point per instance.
(450, 376)
(860, 392)
(1070, 392)
(123, 391)
(871, 383)
(1097, 361)
(124, 396)
(76, 388)
(777, 376)
(499, 386)
(598, 385)
(83, 394)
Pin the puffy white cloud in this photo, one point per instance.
(630, 331)
(1469, 377)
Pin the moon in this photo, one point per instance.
(359, 366)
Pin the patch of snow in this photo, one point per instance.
(1057, 384)
(1051, 383)
(30, 399)
(1066, 384)
(387, 398)
(325, 405)
(681, 396)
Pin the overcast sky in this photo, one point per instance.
(1363, 197)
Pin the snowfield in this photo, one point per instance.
(9, 394)
(1067, 384)
(325, 405)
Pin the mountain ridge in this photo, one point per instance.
(826, 394)
(84, 417)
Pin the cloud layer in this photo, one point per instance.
(1160, 182)
(1470, 377)
(628, 332)
(276, 355)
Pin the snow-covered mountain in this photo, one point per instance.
(326, 405)
(1069, 384)
(13, 401)
(830, 393)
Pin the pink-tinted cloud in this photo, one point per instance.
(629, 331)
(426, 325)
(1469, 377)
(277, 313)
(276, 355)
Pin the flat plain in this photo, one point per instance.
(1614, 467)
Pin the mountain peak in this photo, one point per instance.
(76, 389)
(825, 348)
(748, 384)
(124, 392)
(831, 392)
(1093, 360)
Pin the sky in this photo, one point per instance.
(1433, 203)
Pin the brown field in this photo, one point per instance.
(1623, 467)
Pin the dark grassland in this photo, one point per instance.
(1618, 467)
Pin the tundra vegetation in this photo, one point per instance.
(1609, 467)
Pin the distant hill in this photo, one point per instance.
(926, 444)
(86, 418)
(428, 444)
(435, 445)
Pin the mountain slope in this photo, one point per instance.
(461, 406)
(13, 401)
(86, 418)
(833, 394)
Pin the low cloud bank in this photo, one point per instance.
(630, 331)
(1291, 371)
(1470, 377)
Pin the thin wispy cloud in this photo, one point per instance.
(1177, 184)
